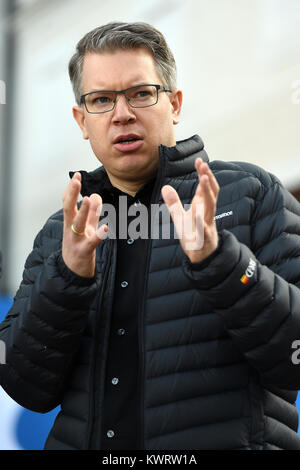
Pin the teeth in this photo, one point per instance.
(127, 141)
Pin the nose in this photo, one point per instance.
(122, 112)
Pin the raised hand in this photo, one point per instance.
(80, 234)
(196, 227)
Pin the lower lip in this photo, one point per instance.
(135, 145)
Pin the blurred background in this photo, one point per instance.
(239, 69)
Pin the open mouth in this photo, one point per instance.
(128, 143)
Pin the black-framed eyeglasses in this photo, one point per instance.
(140, 96)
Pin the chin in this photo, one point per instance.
(136, 166)
(131, 160)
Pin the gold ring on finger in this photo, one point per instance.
(76, 232)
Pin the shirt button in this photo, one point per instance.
(130, 241)
(115, 381)
(121, 331)
(110, 433)
(124, 284)
(137, 203)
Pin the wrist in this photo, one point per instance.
(197, 265)
(72, 274)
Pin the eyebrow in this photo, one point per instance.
(110, 89)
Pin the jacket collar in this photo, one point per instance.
(174, 161)
(180, 160)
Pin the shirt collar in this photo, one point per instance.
(110, 193)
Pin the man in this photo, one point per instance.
(157, 342)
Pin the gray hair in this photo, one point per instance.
(119, 35)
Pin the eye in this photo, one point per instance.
(145, 93)
(101, 100)
(142, 93)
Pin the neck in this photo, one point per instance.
(129, 187)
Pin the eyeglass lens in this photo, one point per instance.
(137, 97)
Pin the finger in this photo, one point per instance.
(197, 240)
(102, 232)
(197, 207)
(207, 188)
(79, 222)
(209, 199)
(203, 169)
(95, 210)
(198, 166)
(174, 206)
(96, 237)
(171, 199)
(75, 182)
(70, 198)
(212, 180)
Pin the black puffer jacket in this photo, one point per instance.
(215, 352)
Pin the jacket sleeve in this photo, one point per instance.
(42, 330)
(256, 291)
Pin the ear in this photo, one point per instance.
(79, 116)
(176, 103)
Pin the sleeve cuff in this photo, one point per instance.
(227, 275)
(71, 277)
(203, 264)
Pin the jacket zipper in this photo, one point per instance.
(141, 320)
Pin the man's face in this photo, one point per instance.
(151, 126)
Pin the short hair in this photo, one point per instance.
(119, 35)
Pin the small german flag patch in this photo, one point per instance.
(244, 279)
(249, 272)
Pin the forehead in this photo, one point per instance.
(118, 69)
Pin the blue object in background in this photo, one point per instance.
(32, 429)
(5, 304)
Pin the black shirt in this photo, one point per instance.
(120, 413)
